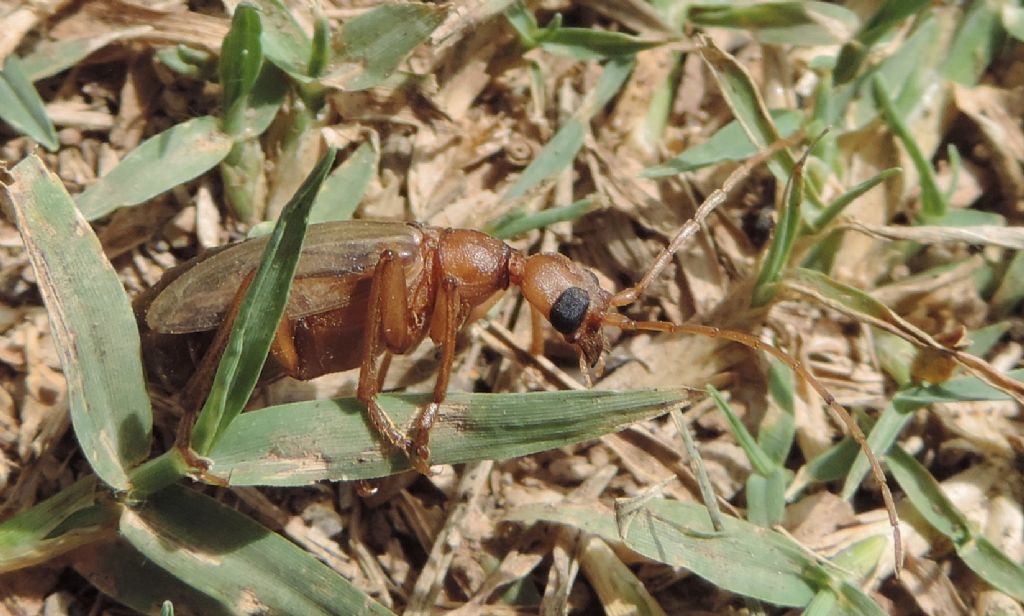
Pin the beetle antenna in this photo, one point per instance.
(716, 198)
(625, 323)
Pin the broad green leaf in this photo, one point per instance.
(243, 170)
(124, 574)
(301, 443)
(91, 319)
(160, 163)
(258, 317)
(68, 520)
(22, 108)
(244, 180)
(232, 560)
(370, 47)
(264, 101)
(561, 150)
(52, 57)
(285, 43)
(344, 188)
(728, 143)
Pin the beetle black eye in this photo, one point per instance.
(569, 309)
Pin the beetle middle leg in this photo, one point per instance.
(388, 328)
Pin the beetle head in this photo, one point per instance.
(569, 297)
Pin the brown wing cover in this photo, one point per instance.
(335, 258)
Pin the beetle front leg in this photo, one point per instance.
(419, 452)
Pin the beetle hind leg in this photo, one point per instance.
(419, 434)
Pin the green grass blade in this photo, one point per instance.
(561, 150)
(882, 435)
(994, 566)
(259, 315)
(320, 52)
(786, 232)
(241, 56)
(962, 389)
(524, 23)
(977, 552)
(728, 143)
(160, 163)
(301, 443)
(977, 41)
(747, 106)
(344, 188)
(91, 319)
(933, 202)
(516, 223)
(781, 23)
(745, 559)
(234, 561)
(888, 16)
(21, 107)
(1010, 292)
(762, 464)
(53, 527)
(777, 430)
(590, 44)
(556, 155)
(831, 464)
(766, 497)
(371, 46)
(836, 207)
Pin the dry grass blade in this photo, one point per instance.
(861, 306)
